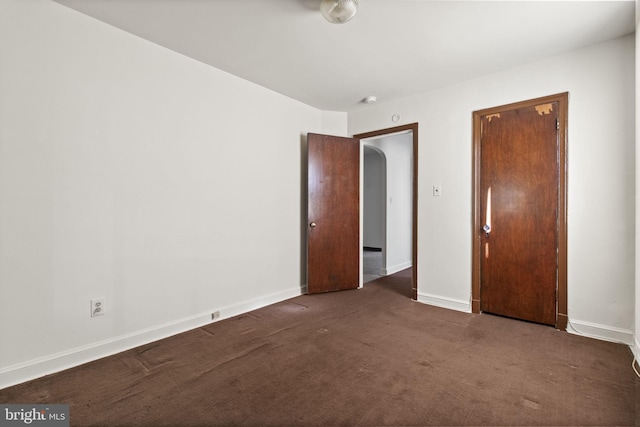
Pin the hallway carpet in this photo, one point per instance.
(366, 357)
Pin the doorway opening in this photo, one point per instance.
(389, 206)
(374, 213)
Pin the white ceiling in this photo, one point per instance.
(391, 49)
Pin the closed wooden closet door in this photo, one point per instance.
(519, 181)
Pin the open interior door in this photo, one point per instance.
(333, 237)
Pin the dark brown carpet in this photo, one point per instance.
(362, 357)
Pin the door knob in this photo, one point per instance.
(486, 229)
(312, 225)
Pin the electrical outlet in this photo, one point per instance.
(215, 315)
(437, 190)
(97, 307)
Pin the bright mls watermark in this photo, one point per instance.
(34, 415)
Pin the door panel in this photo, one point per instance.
(333, 252)
(519, 173)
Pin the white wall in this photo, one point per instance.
(636, 346)
(600, 82)
(133, 173)
(334, 123)
(397, 150)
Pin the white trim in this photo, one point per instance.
(444, 302)
(394, 269)
(360, 218)
(52, 363)
(600, 332)
(636, 348)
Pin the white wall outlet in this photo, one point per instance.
(437, 190)
(97, 307)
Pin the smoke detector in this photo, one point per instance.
(371, 99)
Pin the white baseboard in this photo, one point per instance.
(52, 363)
(636, 349)
(601, 332)
(444, 302)
(395, 268)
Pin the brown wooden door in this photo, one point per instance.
(333, 238)
(519, 181)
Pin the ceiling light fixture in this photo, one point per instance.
(338, 11)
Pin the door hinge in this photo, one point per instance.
(557, 124)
